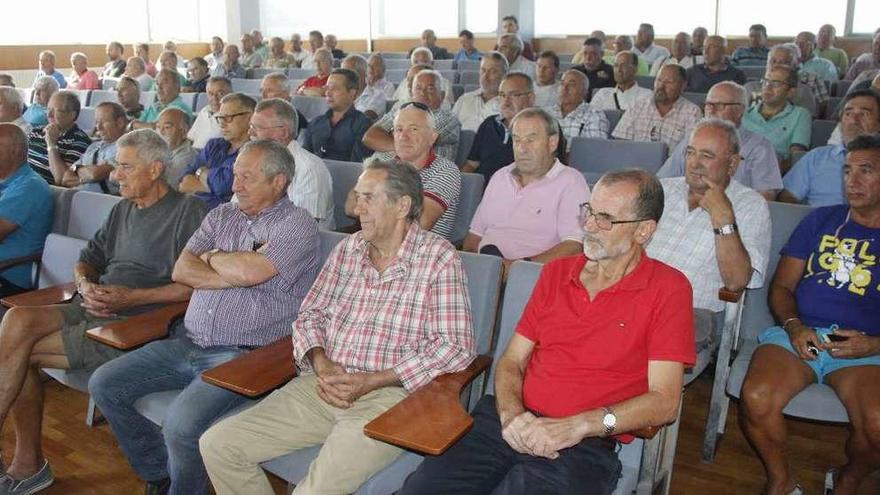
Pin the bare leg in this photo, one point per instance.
(856, 388)
(775, 376)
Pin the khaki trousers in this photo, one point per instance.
(292, 418)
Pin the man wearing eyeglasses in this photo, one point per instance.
(167, 95)
(600, 351)
(206, 126)
(209, 176)
(714, 230)
(787, 126)
(759, 168)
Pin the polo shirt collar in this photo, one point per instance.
(431, 157)
(635, 280)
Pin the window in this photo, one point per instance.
(481, 16)
(866, 18)
(560, 17)
(784, 18)
(408, 18)
(282, 18)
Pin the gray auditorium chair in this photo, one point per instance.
(62, 196)
(108, 83)
(147, 98)
(262, 72)
(597, 156)
(201, 102)
(753, 73)
(645, 81)
(310, 106)
(450, 75)
(26, 94)
(82, 95)
(839, 88)
(246, 85)
(749, 317)
(297, 73)
(88, 211)
(833, 108)
(190, 99)
(471, 192)
(153, 406)
(457, 91)
(564, 66)
(820, 132)
(484, 279)
(345, 176)
(469, 77)
(395, 76)
(394, 55)
(613, 117)
(465, 141)
(86, 120)
(471, 87)
(698, 99)
(397, 64)
(444, 65)
(468, 66)
(100, 96)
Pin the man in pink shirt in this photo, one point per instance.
(81, 77)
(530, 207)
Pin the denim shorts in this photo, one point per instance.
(825, 363)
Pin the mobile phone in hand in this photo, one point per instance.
(833, 337)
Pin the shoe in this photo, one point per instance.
(38, 481)
(157, 487)
(829, 481)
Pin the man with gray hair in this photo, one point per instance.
(427, 92)
(54, 147)
(810, 62)
(124, 270)
(250, 58)
(576, 117)
(81, 77)
(47, 68)
(759, 168)
(376, 77)
(173, 126)
(423, 56)
(511, 46)
(311, 187)
(408, 306)
(136, 69)
(370, 103)
(811, 93)
(92, 171)
(206, 127)
(251, 263)
(473, 107)
(37, 114)
(714, 230)
(11, 106)
(296, 49)
(645, 47)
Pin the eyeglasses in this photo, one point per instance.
(515, 94)
(773, 83)
(720, 105)
(421, 106)
(226, 119)
(258, 128)
(603, 220)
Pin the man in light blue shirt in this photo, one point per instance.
(817, 178)
(47, 68)
(167, 95)
(26, 209)
(810, 62)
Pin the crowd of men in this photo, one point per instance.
(222, 208)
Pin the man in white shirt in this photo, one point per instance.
(547, 87)
(511, 46)
(205, 127)
(626, 92)
(297, 51)
(370, 101)
(423, 56)
(473, 107)
(645, 47)
(316, 42)
(681, 54)
(376, 76)
(574, 114)
(312, 186)
(215, 58)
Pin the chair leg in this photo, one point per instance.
(90, 413)
(650, 460)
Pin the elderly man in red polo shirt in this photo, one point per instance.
(600, 350)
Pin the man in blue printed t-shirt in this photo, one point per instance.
(26, 208)
(825, 297)
(817, 178)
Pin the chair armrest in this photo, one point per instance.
(728, 295)
(139, 329)
(430, 419)
(647, 432)
(257, 372)
(56, 294)
(29, 258)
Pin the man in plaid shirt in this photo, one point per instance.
(388, 313)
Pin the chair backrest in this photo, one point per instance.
(753, 72)
(395, 76)
(784, 217)
(60, 254)
(394, 55)
(820, 132)
(471, 192)
(465, 141)
(297, 73)
(484, 288)
(469, 77)
(190, 99)
(839, 88)
(520, 282)
(564, 66)
(598, 156)
(645, 81)
(63, 196)
(310, 106)
(468, 66)
(147, 98)
(88, 211)
(109, 83)
(86, 119)
(698, 99)
(329, 240)
(444, 65)
(345, 176)
(201, 102)
(396, 64)
(100, 96)
(457, 91)
(245, 85)
(832, 110)
(82, 95)
(450, 75)
(26, 94)
(262, 72)
(613, 117)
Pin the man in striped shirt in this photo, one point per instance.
(54, 147)
(388, 313)
(250, 263)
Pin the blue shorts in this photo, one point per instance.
(825, 363)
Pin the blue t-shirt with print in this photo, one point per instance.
(841, 281)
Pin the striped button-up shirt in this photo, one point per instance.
(414, 317)
(583, 121)
(642, 122)
(254, 316)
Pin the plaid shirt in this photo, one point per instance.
(583, 121)
(642, 122)
(414, 317)
(817, 87)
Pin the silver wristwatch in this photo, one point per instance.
(609, 421)
(726, 229)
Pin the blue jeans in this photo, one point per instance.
(483, 463)
(170, 451)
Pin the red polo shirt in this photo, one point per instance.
(594, 353)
